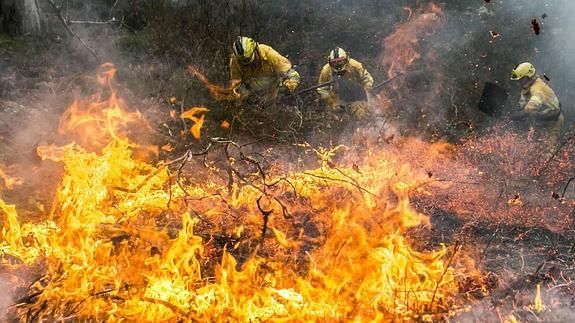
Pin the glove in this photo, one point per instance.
(284, 91)
(253, 99)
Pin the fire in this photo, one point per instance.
(225, 124)
(198, 121)
(95, 121)
(537, 305)
(9, 181)
(401, 45)
(218, 92)
(132, 241)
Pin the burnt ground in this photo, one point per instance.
(515, 259)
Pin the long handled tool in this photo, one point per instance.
(380, 85)
(315, 87)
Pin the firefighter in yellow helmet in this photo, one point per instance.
(262, 72)
(340, 65)
(538, 105)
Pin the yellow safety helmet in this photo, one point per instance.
(338, 60)
(523, 70)
(245, 49)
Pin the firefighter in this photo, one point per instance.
(341, 66)
(539, 107)
(261, 72)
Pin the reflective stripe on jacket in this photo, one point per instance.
(539, 100)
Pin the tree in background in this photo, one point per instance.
(20, 17)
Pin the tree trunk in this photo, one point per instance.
(20, 17)
(31, 19)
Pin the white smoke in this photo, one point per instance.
(5, 296)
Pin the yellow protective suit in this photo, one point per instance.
(539, 103)
(265, 75)
(354, 71)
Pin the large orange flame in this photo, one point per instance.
(335, 250)
(95, 121)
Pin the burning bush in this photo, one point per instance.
(127, 239)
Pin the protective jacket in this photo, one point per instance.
(265, 75)
(539, 101)
(354, 71)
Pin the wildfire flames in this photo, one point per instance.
(96, 120)
(401, 45)
(218, 92)
(130, 240)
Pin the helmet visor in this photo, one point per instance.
(338, 64)
(515, 75)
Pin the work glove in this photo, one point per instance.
(253, 99)
(284, 91)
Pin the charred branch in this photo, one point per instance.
(567, 186)
(266, 215)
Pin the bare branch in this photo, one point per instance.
(112, 21)
(567, 186)
(455, 249)
(361, 189)
(63, 21)
(114, 7)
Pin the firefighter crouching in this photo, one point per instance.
(539, 106)
(262, 72)
(341, 66)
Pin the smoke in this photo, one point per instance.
(5, 296)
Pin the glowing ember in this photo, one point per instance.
(225, 124)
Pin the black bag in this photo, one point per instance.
(493, 100)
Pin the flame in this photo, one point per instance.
(225, 124)
(95, 121)
(515, 201)
(10, 182)
(537, 305)
(401, 46)
(198, 122)
(362, 270)
(218, 92)
(167, 147)
(107, 258)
